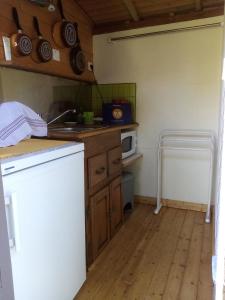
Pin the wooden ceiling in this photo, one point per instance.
(116, 15)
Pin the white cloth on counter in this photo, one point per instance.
(18, 122)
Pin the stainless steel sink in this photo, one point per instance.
(77, 128)
(71, 129)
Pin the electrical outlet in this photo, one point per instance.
(90, 66)
(7, 48)
(55, 54)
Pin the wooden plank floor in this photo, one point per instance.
(163, 257)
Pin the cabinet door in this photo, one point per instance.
(116, 206)
(97, 169)
(100, 220)
(115, 160)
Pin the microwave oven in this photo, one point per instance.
(129, 143)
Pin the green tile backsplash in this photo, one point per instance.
(105, 93)
(80, 95)
(90, 97)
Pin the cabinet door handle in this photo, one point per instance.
(100, 170)
(117, 161)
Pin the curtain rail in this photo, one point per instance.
(197, 27)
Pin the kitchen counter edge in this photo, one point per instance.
(94, 132)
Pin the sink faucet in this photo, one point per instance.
(62, 114)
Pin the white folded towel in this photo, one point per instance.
(17, 122)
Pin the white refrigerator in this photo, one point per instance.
(44, 207)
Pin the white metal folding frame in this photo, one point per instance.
(193, 140)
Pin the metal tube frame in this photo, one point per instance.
(182, 136)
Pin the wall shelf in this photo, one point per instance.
(61, 66)
(131, 159)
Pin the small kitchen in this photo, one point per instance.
(79, 204)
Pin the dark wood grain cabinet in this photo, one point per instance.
(100, 220)
(104, 214)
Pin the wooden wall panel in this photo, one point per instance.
(112, 16)
(105, 11)
(26, 11)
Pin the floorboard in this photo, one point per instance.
(189, 286)
(180, 258)
(163, 257)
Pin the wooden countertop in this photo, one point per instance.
(29, 146)
(85, 134)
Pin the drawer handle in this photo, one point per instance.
(100, 170)
(117, 161)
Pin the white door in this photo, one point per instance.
(47, 210)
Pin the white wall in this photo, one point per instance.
(32, 89)
(178, 86)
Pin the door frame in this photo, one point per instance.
(218, 263)
(6, 281)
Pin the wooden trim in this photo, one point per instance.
(172, 203)
(154, 20)
(51, 71)
(145, 200)
(131, 9)
(184, 205)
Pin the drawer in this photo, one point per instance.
(115, 160)
(97, 169)
(101, 143)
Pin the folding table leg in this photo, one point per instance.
(208, 212)
(159, 187)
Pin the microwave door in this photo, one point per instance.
(127, 144)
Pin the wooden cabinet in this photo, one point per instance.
(103, 201)
(116, 206)
(100, 220)
(104, 213)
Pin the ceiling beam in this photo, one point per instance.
(161, 19)
(198, 5)
(131, 9)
